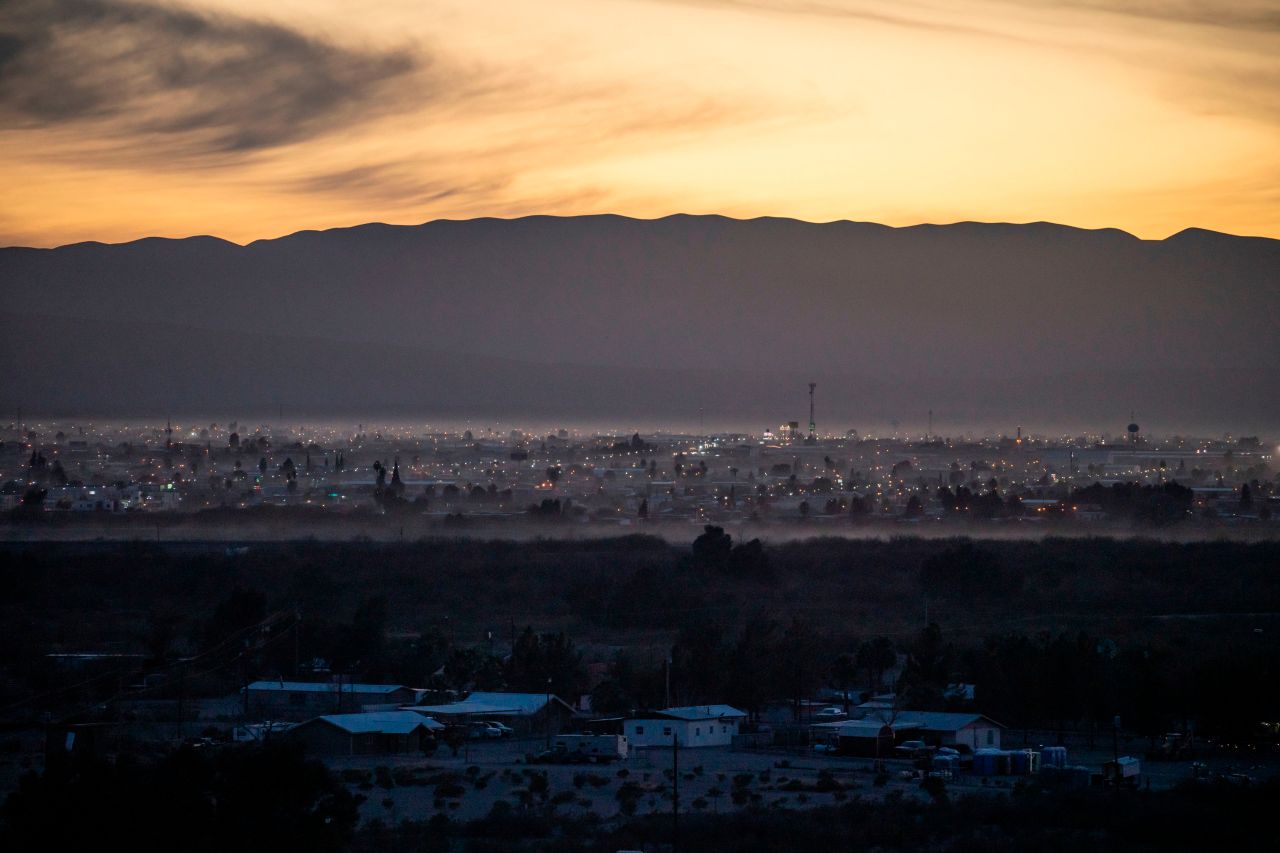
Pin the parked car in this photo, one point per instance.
(483, 731)
(912, 749)
(503, 729)
(831, 713)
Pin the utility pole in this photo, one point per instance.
(668, 667)
(297, 625)
(675, 791)
(547, 711)
(182, 688)
(244, 679)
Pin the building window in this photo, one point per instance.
(991, 736)
(666, 730)
(639, 730)
(724, 730)
(697, 732)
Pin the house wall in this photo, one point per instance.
(979, 735)
(320, 738)
(692, 733)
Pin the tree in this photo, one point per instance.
(751, 662)
(800, 663)
(750, 560)
(875, 657)
(844, 673)
(537, 657)
(241, 609)
(712, 548)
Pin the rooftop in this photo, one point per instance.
(324, 687)
(381, 722)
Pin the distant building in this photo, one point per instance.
(527, 713)
(371, 733)
(698, 725)
(302, 700)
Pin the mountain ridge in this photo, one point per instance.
(1190, 230)
(907, 307)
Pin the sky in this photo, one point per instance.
(248, 120)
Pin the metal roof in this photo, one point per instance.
(457, 709)
(379, 722)
(324, 687)
(484, 702)
(704, 712)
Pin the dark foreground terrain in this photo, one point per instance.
(1057, 637)
(272, 799)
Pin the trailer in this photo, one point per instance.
(1125, 771)
(599, 748)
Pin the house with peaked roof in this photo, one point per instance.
(941, 728)
(527, 713)
(367, 733)
(694, 725)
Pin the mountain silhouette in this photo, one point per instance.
(686, 317)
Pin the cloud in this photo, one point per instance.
(1259, 16)
(894, 14)
(392, 183)
(187, 83)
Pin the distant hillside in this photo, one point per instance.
(644, 320)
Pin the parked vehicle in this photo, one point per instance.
(912, 749)
(483, 731)
(598, 748)
(831, 713)
(503, 729)
(1125, 772)
(559, 755)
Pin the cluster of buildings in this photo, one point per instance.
(486, 476)
(333, 718)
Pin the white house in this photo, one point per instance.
(698, 725)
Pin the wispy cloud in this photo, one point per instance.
(189, 84)
(1261, 16)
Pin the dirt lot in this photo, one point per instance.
(711, 779)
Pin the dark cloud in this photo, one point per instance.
(392, 183)
(887, 13)
(191, 83)
(1262, 16)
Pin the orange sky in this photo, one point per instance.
(119, 120)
